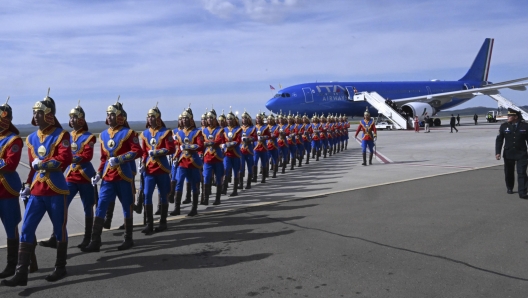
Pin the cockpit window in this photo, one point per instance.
(277, 95)
(287, 94)
(283, 94)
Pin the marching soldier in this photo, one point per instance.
(273, 145)
(10, 151)
(119, 149)
(157, 143)
(247, 147)
(213, 157)
(175, 166)
(284, 132)
(292, 141)
(80, 172)
(347, 126)
(367, 126)
(299, 132)
(307, 132)
(261, 149)
(316, 138)
(190, 163)
(233, 137)
(513, 134)
(49, 154)
(323, 128)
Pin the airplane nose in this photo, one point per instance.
(271, 105)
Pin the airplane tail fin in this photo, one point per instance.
(480, 67)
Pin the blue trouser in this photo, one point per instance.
(308, 147)
(293, 151)
(246, 158)
(86, 191)
(174, 173)
(324, 143)
(274, 155)
(369, 143)
(37, 206)
(108, 192)
(300, 149)
(193, 177)
(10, 216)
(150, 182)
(263, 156)
(232, 164)
(284, 151)
(316, 144)
(217, 168)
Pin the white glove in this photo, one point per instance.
(25, 193)
(181, 147)
(222, 146)
(175, 163)
(141, 168)
(35, 163)
(259, 138)
(151, 153)
(96, 179)
(113, 161)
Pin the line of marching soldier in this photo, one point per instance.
(222, 151)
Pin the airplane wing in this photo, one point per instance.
(439, 99)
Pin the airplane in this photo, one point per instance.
(414, 98)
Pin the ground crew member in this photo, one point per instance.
(119, 149)
(367, 126)
(10, 151)
(513, 134)
(49, 154)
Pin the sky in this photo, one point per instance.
(226, 53)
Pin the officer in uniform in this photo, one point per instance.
(284, 133)
(189, 162)
(213, 157)
(299, 132)
(307, 132)
(233, 137)
(261, 149)
(367, 126)
(272, 144)
(292, 141)
(10, 151)
(49, 154)
(119, 150)
(316, 137)
(323, 128)
(513, 134)
(157, 144)
(81, 171)
(174, 164)
(247, 147)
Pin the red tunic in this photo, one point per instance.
(237, 137)
(10, 154)
(366, 128)
(282, 138)
(307, 129)
(187, 161)
(128, 144)
(86, 155)
(212, 154)
(251, 132)
(165, 141)
(261, 145)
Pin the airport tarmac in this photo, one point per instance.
(434, 221)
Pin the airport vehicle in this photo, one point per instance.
(407, 99)
(384, 125)
(494, 116)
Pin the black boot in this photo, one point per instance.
(163, 220)
(248, 183)
(138, 208)
(364, 159)
(235, 188)
(149, 229)
(283, 166)
(313, 152)
(241, 181)
(178, 198)
(335, 149)
(21, 272)
(88, 225)
(218, 194)
(292, 163)
(128, 242)
(318, 155)
(109, 215)
(275, 170)
(95, 243)
(207, 191)
(307, 159)
(254, 174)
(346, 145)
(370, 158)
(187, 193)
(51, 242)
(330, 151)
(324, 152)
(194, 210)
(226, 183)
(264, 175)
(60, 262)
(12, 258)
(172, 192)
(300, 162)
(158, 210)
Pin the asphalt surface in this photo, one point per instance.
(454, 235)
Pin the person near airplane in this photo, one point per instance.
(368, 128)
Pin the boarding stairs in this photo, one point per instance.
(506, 103)
(378, 102)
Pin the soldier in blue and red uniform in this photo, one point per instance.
(284, 133)
(174, 164)
(10, 151)
(49, 155)
(346, 127)
(299, 131)
(189, 162)
(307, 132)
(233, 137)
(213, 157)
(323, 135)
(157, 144)
(273, 145)
(247, 149)
(261, 150)
(292, 141)
(119, 150)
(316, 137)
(367, 126)
(81, 171)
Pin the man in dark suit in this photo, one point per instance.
(513, 134)
(453, 123)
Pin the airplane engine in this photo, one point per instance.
(418, 109)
